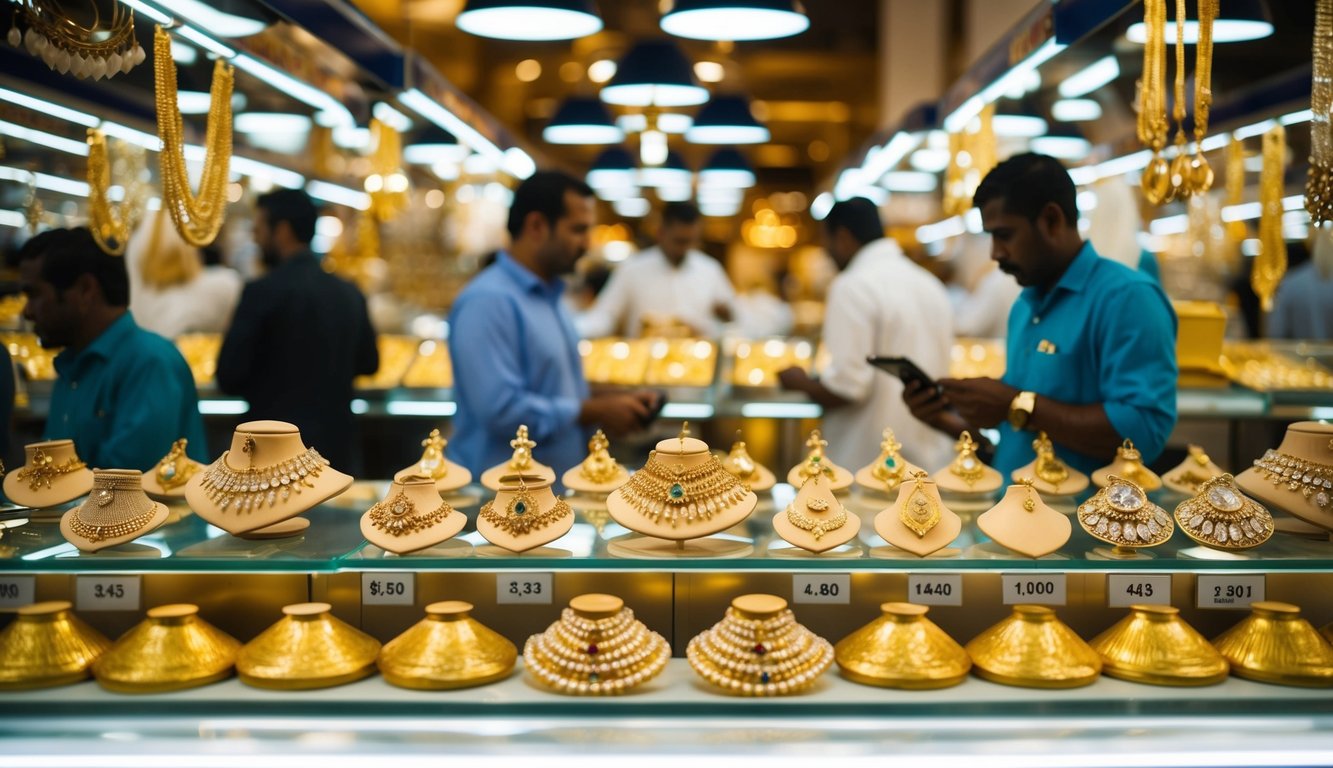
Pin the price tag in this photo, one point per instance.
(1230, 590)
(1126, 589)
(388, 588)
(826, 588)
(524, 588)
(935, 588)
(17, 591)
(1039, 588)
(106, 593)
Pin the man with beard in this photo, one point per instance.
(1091, 353)
(513, 345)
(299, 335)
(122, 394)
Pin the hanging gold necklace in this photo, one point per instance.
(1200, 177)
(1236, 186)
(110, 224)
(1319, 186)
(95, 51)
(197, 218)
(1152, 124)
(1271, 263)
(1180, 166)
(42, 470)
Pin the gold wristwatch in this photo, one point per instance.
(1020, 409)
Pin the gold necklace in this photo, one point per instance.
(966, 466)
(1235, 191)
(1312, 479)
(175, 469)
(43, 469)
(109, 224)
(107, 501)
(889, 465)
(249, 489)
(1050, 470)
(1199, 178)
(919, 513)
(599, 467)
(93, 52)
(199, 218)
(398, 516)
(1319, 184)
(1271, 263)
(1152, 123)
(667, 493)
(523, 514)
(816, 527)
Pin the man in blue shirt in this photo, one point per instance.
(513, 345)
(1091, 354)
(122, 394)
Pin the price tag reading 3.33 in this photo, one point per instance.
(935, 588)
(388, 588)
(523, 588)
(826, 588)
(1037, 588)
(1126, 589)
(106, 593)
(1230, 590)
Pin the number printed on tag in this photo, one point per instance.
(1126, 589)
(1038, 588)
(529, 588)
(935, 588)
(1230, 590)
(828, 588)
(17, 591)
(106, 593)
(388, 588)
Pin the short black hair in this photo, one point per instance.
(858, 216)
(544, 193)
(1026, 183)
(293, 206)
(679, 213)
(68, 254)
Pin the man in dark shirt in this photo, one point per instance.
(299, 335)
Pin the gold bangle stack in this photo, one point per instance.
(759, 653)
(1319, 185)
(583, 656)
(1271, 263)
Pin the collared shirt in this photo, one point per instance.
(516, 361)
(647, 286)
(1303, 307)
(883, 304)
(124, 399)
(1104, 334)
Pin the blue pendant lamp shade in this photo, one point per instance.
(434, 145)
(726, 169)
(735, 19)
(654, 74)
(726, 120)
(530, 19)
(672, 173)
(1237, 21)
(582, 120)
(613, 168)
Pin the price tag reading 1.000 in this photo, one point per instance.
(935, 588)
(826, 588)
(523, 588)
(1230, 590)
(1038, 588)
(1126, 589)
(388, 588)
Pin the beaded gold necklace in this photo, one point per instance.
(523, 513)
(43, 470)
(117, 507)
(398, 516)
(666, 492)
(244, 490)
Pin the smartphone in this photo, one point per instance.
(657, 410)
(904, 369)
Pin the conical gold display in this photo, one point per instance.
(1033, 649)
(1275, 645)
(447, 649)
(902, 649)
(307, 648)
(597, 648)
(1327, 631)
(1154, 645)
(47, 645)
(758, 649)
(172, 649)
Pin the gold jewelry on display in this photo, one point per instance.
(1319, 185)
(1236, 185)
(522, 514)
(175, 469)
(1200, 176)
(522, 445)
(739, 462)
(1049, 469)
(44, 470)
(387, 184)
(759, 653)
(1191, 478)
(816, 527)
(582, 656)
(889, 465)
(243, 490)
(67, 47)
(1220, 516)
(919, 513)
(599, 467)
(116, 507)
(109, 224)
(1180, 164)
(1271, 263)
(399, 517)
(665, 492)
(966, 466)
(198, 218)
(1121, 514)
(1313, 480)
(814, 463)
(1153, 127)
(1129, 462)
(432, 463)
(1029, 501)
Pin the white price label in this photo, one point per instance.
(1126, 589)
(935, 588)
(826, 588)
(17, 591)
(1230, 590)
(388, 588)
(1038, 588)
(528, 588)
(106, 593)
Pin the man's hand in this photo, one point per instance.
(796, 379)
(981, 402)
(928, 405)
(722, 311)
(619, 413)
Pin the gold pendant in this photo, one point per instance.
(920, 514)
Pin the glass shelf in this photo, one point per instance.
(333, 543)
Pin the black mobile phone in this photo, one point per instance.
(657, 409)
(904, 369)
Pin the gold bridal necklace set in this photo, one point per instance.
(249, 489)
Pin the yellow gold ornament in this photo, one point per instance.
(920, 513)
(109, 224)
(1275, 645)
(1319, 185)
(1154, 645)
(1034, 649)
(902, 649)
(1153, 127)
(447, 649)
(1271, 263)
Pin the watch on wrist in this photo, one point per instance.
(1020, 409)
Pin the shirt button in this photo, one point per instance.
(1036, 320)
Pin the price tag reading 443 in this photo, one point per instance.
(1126, 589)
(1230, 590)
(523, 588)
(826, 588)
(106, 593)
(388, 588)
(1038, 588)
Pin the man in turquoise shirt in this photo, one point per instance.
(122, 394)
(1091, 353)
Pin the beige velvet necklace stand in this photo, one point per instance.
(521, 463)
(754, 475)
(167, 480)
(967, 475)
(1128, 465)
(116, 512)
(598, 474)
(412, 517)
(52, 474)
(447, 475)
(815, 520)
(1275, 481)
(1023, 523)
(681, 475)
(887, 472)
(816, 462)
(1048, 473)
(1194, 471)
(525, 515)
(917, 523)
(287, 479)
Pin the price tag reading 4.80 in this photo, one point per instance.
(106, 593)
(935, 588)
(388, 588)
(1230, 590)
(826, 588)
(1126, 589)
(1038, 588)
(523, 588)
(17, 591)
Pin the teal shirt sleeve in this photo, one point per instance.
(1137, 365)
(143, 421)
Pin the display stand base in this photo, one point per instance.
(1119, 553)
(783, 550)
(992, 551)
(360, 495)
(1206, 553)
(636, 545)
(491, 550)
(282, 530)
(890, 552)
(128, 550)
(1297, 527)
(453, 548)
(962, 504)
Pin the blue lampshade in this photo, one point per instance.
(726, 120)
(654, 74)
(672, 173)
(1237, 21)
(582, 120)
(614, 167)
(530, 19)
(735, 19)
(727, 169)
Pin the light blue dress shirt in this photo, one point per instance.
(516, 361)
(124, 399)
(1303, 307)
(1104, 334)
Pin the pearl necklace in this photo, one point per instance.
(579, 656)
(770, 657)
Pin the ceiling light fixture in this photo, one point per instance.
(613, 168)
(582, 120)
(734, 20)
(530, 20)
(654, 73)
(632, 207)
(727, 120)
(1016, 125)
(666, 122)
(1076, 110)
(1090, 78)
(1237, 21)
(726, 169)
(672, 172)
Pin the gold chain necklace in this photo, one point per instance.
(816, 527)
(197, 218)
(669, 493)
(523, 514)
(1271, 263)
(1319, 185)
(107, 500)
(110, 224)
(1313, 480)
(43, 469)
(1199, 178)
(1152, 123)
(249, 489)
(175, 469)
(398, 516)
